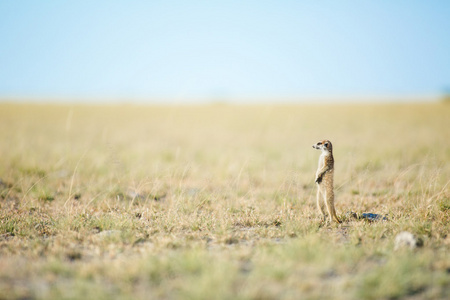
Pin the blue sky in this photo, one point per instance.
(223, 49)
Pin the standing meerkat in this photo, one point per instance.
(324, 179)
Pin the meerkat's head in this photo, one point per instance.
(324, 145)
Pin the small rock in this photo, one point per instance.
(373, 217)
(109, 233)
(366, 216)
(134, 195)
(408, 240)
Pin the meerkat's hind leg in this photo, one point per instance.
(320, 203)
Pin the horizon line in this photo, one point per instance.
(351, 98)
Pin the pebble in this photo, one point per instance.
(406, 239)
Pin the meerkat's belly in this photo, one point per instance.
(328, 176)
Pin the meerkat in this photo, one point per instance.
(324, 179)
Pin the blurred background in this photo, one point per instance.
(224, 51)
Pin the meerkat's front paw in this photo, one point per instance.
(318, 179)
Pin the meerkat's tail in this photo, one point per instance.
(332, 210)
(335, 218)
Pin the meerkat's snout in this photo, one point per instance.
(316, 146)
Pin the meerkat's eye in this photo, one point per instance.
(326, 144)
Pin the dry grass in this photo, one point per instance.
(218, 201)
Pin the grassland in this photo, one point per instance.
(218, 202)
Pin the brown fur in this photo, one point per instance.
(324, 179)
